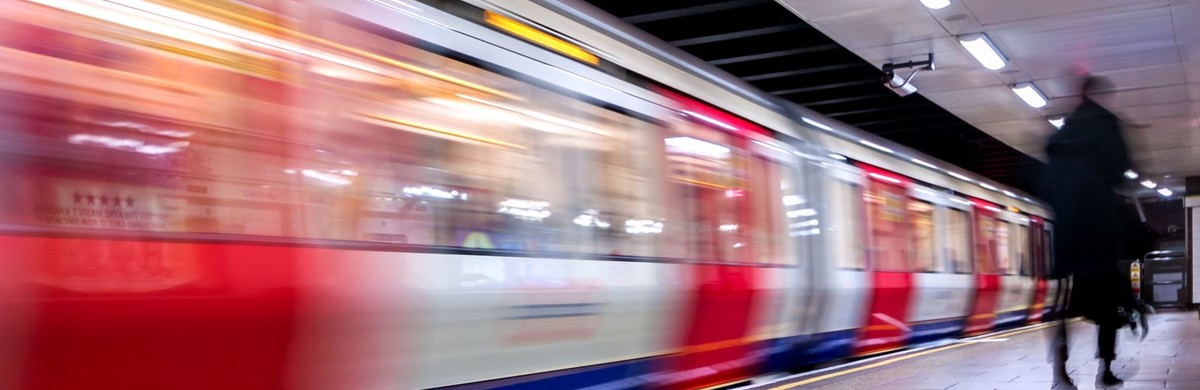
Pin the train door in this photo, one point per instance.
(1017, 286)
(783, 232)
(841, 283)
(942, 279)
(987, 276)
(710, 216)
(1037, 252)
(886, 202)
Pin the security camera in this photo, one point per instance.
(898, 84)
(901, 85)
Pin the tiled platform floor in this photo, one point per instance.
(1169, 357)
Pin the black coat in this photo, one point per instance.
(1088, 157)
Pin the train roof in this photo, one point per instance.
(637, 51)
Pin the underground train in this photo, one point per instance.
(443, 194)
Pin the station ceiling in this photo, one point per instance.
(826, 55)
(770, 47)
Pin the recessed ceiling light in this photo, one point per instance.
(1165, 191)
(1131, 174)
(935, 4)
(1057, 121)
(1149, 184)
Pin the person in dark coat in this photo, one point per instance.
(1087, 159)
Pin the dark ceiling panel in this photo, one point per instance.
(766, 45)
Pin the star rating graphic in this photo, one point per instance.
(105, 199)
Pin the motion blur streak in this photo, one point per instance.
(354, 194)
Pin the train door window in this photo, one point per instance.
(792, 191)
(845, 224)
(768, 227)
(887, 243)
(922, 245)
(1021, 249)
(985, 243)
(1048, 252)
(707, 192)
(1004, 260)
(958, 241)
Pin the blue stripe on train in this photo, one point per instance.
(825, 346)
(931, 331)
(1010, 319)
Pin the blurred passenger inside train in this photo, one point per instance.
(1087, 158)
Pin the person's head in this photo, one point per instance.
(1093, 85)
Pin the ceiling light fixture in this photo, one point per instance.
(935, 4)
(983, 50)
(1165, 191)
(1030, 94)
(1131, 174)
(989, 186)
(1149, 183)
(1057, 121)
(838, 157)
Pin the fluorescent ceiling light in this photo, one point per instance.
(988, 186)
(838, 157)
(876, 146)
(920, 162)
(1149, 183)
(819, 125)
(1010, 194)
(1057, 122)
(1030, 94)
(935, 4)
(1131, 174)
(984, 51)
(1165, 191)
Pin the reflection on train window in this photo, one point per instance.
(787, 217)
(707, 192)
(958, 242)
(468, 158)
(920, 213)
(1002, 232)
(887, 244)
(845, 218)
(1021, 249)
(1047, 251)
(985, 243)
(768, 228)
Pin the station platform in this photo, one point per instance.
(1018, 359)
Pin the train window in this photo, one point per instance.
(1021, 249)
(768, 228)
(844, 221)
(467, 158)
(1047, 252)
(985, 244)
(887, 244)
(708, 192)
(958, 241)
(1003, 245)
(920, 214)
